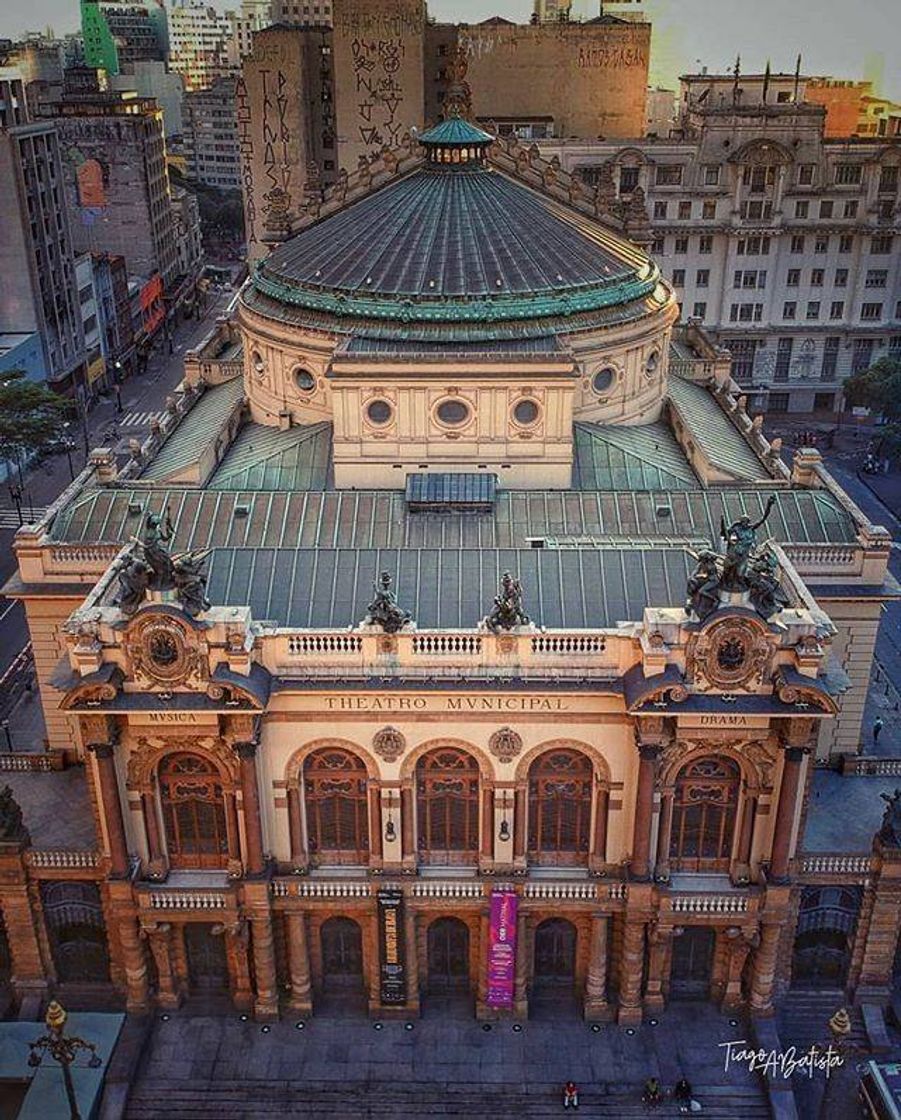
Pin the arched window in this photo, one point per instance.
(335, 796)
(560, 808)
(704, 811)
(193, 812)
(447, 807)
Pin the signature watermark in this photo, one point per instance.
(782, 1063)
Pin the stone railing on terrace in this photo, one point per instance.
(14, 762)
(834, 865)
(367, 651)
(826, 559)
(453, 889)
(218, 358)
(187, 899)
(63, 860)
(86, 560)
(884, 767)
(712, 903)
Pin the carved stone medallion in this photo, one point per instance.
(505, 744)
(730, 654)
(162, 652)
(389, 744)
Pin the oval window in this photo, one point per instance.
(650, 366)
(452, 412)
(258, 364)
(378, 412)
(525, 412)
(304, 380)
(603, 379)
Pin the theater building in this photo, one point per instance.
(449, 369)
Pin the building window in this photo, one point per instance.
(876, 278)
(784, 348)
(881, 245)
(845, 243)
(824, 402)
(679, 277)
(337, 807)
(453, 413)
(447, 807)
(830, 359)
(797, 244)
(848, 174)
(870, 312)
(628, 179)
(705, 805)
(758, 177)
(778, 402)
(802, 209)
(841, 278)
(826, 208)
(379, 412)
(658, 246)
(193, 805)
(526, 412)
(603, 380)
(681, 246)
(684, 211)
(821, 245)
(813, 309)
(699, 311)
(789, 309)
(660, 211)
(669, 175)
(711, 175)
(861, 355)
(560, 791)
(817, 275)
(705, 244)
(304, 380)
(708, 212)
(793, 279)
(888, 180)
(805, 174)
(757, 210)
(837, 309)
(850, 210)
(702, 277)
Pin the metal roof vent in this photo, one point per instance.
(432, 492)
(664, 511)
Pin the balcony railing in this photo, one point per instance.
(829, 863)
(63, 860)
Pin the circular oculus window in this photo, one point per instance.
(452, 413)
(526, 412)
(378, 412)
(304, 380)
(603, 379)
(258, 364)
(650, 366)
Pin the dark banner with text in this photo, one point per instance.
(391, 946)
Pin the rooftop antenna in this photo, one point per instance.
(736, 73)
(797, 78)
(766, 81)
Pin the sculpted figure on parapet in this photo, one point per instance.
(150, 566)
(383, 610)
(890, 832)
(507, 611)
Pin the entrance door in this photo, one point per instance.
(342, 955)
(207, 961)
(555, 953)
(448, 946)
(74, 916)
(692, 963)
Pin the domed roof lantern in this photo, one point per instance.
(455, 141)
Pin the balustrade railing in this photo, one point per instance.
(708, 904)
(447, 645)
(188, 900)
(428, 889)
(318, 645)
(835, 864)
(62, 860)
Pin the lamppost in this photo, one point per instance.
(9, 739)
(839, 1029)
(117, 366)
(69, 446)
(15, 494)
(62, 1048)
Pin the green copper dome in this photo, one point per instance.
(454, 131)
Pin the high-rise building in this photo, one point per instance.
(154, 80)
(100, 50)
(139, 30)
(210, 135)
(116, 179)
(37, 260)
(202, 45)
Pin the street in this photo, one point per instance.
(143, 397)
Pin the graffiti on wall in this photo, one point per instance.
(245, 149)
(376, 64)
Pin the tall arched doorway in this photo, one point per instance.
(337, 810)
(824, 939)
(193, 812)
(705, 806)
(555, 953)
(448, 955)
(447, 807)
(692, 963)
(76, 929)
(206, 957)
(342, 955)
(560, 787)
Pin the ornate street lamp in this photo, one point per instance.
(839, 1029)
(62, 1048)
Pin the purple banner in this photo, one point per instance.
(502, 948)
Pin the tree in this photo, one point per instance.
(30, 417)
(877, 388)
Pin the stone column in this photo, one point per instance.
(631, 973)
(521, 976)
(22, 921)
(746, 838)
(482, 1009)
(411, 954)
(232, 832)
(253, 824)
(785, 813)
(374, 795)
(601, 812)
(111, 803)
(299, 854)
(266, 1004)
(739, 947)
(595, 1005)
(658, 947)
(486, 838)
(644, 806)
(236, 938)
(301, 1001)
(763, 968)
(160, 938)
(134, 960)
(152, 828)
(520, 824)
(663, 835)
(408, 832)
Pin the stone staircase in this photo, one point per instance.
(804, 1016)
(243, 1100)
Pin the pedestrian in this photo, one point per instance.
(570, 1094)
(682, 1094)
(877, 729)
(652, 1096)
